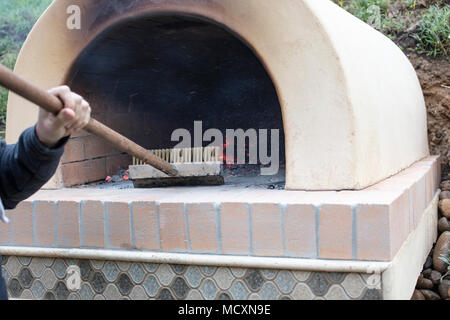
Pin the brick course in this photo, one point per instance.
(370, 224)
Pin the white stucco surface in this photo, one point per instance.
(353, 110)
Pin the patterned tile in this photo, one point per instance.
(48, 279)
(85, 269)
(194, 295)
(223, 278)
(285, 281)
(49, 296)
(15, 289)
(193, 277)
(124, 265)
(209, 289)
(73, 262)
(61, 291)
(224, 296)
(13, 266)
(60, 268)
(150, 267)
(98, 282)
(111, 271)
(124, 284)
(301, 276)
(138, 293)
(39, 278)
(269, 274)
(151, 285)
(38, 289)
(47, 261)
(165, 294)
(336, 277)
(208, 271)
(165, 274)
(112, 293)
(179, 269)
(74, 296)
(269, 292)
(137, 272)
(239, 291)
(372, 281)
(336, 293)
(97, 264)
(86, 292)
(372, 294)
(25, 278)
(180, 288)
(319, 283)
(254, 296)
(25, 261)
(37, 267)
(254, 280)
(353, 285)
(238, 272)
(26, 295)
(302, 292)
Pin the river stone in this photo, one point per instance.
(427, 273)
(444, 206)
(428, 263)
(417, 295)
(430, 295)
(423, 283)
(444, 195)
(441, 248)
(444, 289)
(435, 277)
(443, 225)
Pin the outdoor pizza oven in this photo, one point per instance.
(345, 101)
(357, 191)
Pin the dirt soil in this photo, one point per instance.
(434, 76)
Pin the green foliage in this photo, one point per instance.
(394, 17)
(434, 31)
(17, 17)
(374, 13)
(446, 259)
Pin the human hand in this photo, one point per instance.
(50, 129)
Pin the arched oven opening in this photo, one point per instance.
(151, 78)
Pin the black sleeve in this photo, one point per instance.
(26, 166)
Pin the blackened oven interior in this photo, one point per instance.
(149, 76)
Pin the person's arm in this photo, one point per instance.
(26, 166)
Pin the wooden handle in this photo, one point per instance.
(50, 103)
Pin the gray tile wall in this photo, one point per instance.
(46, 278)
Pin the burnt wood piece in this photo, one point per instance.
(179, 181)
